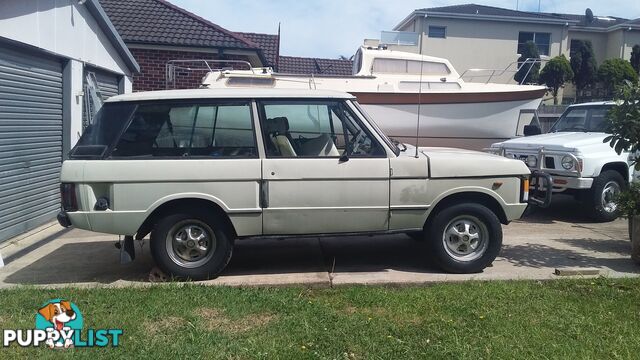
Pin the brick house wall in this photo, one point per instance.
(153, 63)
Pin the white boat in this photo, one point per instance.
(453, 113)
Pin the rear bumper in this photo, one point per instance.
(63, 219)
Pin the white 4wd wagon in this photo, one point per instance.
(578, 160)
(198, 169)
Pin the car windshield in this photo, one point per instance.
(583, 119)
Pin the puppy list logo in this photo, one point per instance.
(59, 324)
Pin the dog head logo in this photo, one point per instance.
(62, 318)
(58, 314)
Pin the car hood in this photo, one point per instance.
(451, 163)
(562, 141)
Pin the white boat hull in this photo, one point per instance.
(453, 113)
(472, 126)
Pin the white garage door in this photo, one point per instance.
(30, 140)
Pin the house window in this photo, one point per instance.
(542, 41)
(437, 32)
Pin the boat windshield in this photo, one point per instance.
(583, 119)
(390, 143)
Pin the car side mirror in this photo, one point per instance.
(530, 130)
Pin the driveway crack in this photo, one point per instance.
(329, 269)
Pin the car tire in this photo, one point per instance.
(635, 241)
(465, 238)
(191, 246)
(416, 235)
(603, 191)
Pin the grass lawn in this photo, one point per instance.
(577, 319)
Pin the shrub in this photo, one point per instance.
(614, 72)
(555, 74)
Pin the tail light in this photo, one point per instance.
(68, 196)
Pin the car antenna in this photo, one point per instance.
(419, 102)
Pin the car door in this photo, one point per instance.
(323, 171)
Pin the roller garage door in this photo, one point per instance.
(30, 140)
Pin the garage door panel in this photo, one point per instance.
(34, 151)
(9, 86)
(28, 134)
(27, 202)
(6, 118)
(25, 186)
(31, 170)
(50, 101)
(28, 140)
(22, 221)
(35, 160)
(31, 75)
(25, 145)
(11, 103)
(30, 86)
(31, 101)
(28, 83)
(32, 174)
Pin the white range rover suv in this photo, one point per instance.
(198, 169)
(579, 162)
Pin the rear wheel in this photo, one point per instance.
(191, 246)
(601, 199)
(416, 235)
(465, 238)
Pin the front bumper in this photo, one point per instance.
(540, 191)
(562, 183)
(63, 219)
(541, 157)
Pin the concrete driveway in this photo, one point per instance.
(557, 238)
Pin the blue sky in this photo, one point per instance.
(330, 28)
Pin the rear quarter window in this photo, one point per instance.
(188, 130)
(174, 129)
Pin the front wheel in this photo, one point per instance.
(191, 246)
(465, 238)
(602, 196)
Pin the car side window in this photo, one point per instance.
(314, 129)
(188, 130)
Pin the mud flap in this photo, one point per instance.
(542, 189)
(127, 250)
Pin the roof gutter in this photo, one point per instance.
(112, 34)
(422, 13)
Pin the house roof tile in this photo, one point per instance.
(603, 22)
(269, 44)
(160, 22)
(308, 66)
